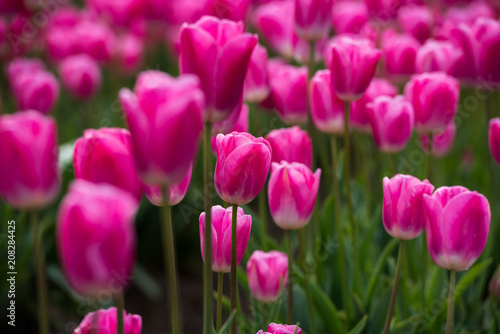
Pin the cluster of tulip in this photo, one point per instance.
(429, 53)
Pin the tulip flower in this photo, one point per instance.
(434, 97)
(400, 52)
(469, 13)
(438, 56)
(243, 162)
(218, 52)
(221, 237)
(164, 115)
(494, 286)
(130, 52)
(106, 321)
(392, 122)
(176, 192)
(81, 76)
(234, 10)
(291, 145)
(441, 142)
(267, 275)
(494, 138)
(312, 18)
(349, 17)
(29, 176)
(96, 237)
(256, 85)
(383, 10)
(96, 39)
(237, 122)
(487, 33)
(119, 13)
(281, 329)
(416, 21)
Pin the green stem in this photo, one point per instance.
(429, 157)
(290, 277)
(233, 266)
(347, 302)
(395, 286)
(310, 310)
(220, 285)
(169, 261)
(120, 306)
(43, 317)
(394, 168)
(207, 269)
(451, 302)
(263, 218)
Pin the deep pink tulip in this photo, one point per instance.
(243, 163)
(441, 142)
(469, 13)
(256, 86)
(96, 39)
(218, 52)
(383, 10)
(107, 322)
(494, 286)
(327, 109)
(221, 237)
(80, 75)
(291, 145)
(400, 52)
(267, 275)
(288, 92)
(96, 237)
(457, 226)
(353, 66)
(416, 21)
(292, 194)
(281, 329)
(164, 115)
(436, 56)
(403, 212)
(360, 115)
(392, 121)
(176, 192)
(349, 17)
(237, 122)
(117, 12)
(235, 10)
(487, 33)
(130, 53)
(105, 156)
(313, 18)
(434, 97)
(494, 139)
(29, 177)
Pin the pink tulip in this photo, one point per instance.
(312, 18)
(469, 13)
(403, 213)
(256, 86)
(434, 97)
(349, 17)
(290, 145)
(117, 12)
(292, 194)
(107, 322)
(494, 139)
(457, 226)
(130, 53)
(281, 329)
(96, 237)
(218, 52)
(81, 76)
(360, 115)
(29, 177)
(267, 275)
(164, 115)
(416, 21)
(235, 10)
(487, 33)
(327, 109)
(96, 39)
(392, 121)
(441, 142)
(221, 237)
(352, 65)
(176, 192)
(383, 10)
(400, 52)
(494, 286)
(243, 163)
(105, 156)
(438, 56)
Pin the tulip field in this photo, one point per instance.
(250, 166)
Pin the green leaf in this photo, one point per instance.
(242, 278)
(326, 308)
(360, 326)
(225, 326)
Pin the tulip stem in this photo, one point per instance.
(310, 310)
(394, 168)
(395, 286)
(169, 258)
(207, 269)
(451, 302)
(120, 306)
(429, 157)
(290, 277)
(220, 286)
(263, 218)
(233, 267)
(43, 317)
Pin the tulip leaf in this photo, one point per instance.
(360, 326)
(326, 308)
(242, 278)
(225, 326)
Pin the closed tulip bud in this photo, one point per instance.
(400, 52)
(327, 109)
(416, 21)
(292, 194)
(243, 163)
(105, 156)
(353, 64)
(441, 141)
(494, 139)
(164, 115)
(96, 237)
(130, 52)
(290, 145)
(221, 237)
(313, 18)
(176, 192)
(237, 122)
(434, 97)
(436, 56)
(349, 17)
(457, 226)
(487, 33)
(494, 286)
(96, 39)
(403, 212)
(29, 176)
(267, 275)
(81, 76)
(106, 321)
(281, 329)
(256, 87)
(218, 52)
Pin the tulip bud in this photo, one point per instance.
(400, 51)
(281, 329)
(438, 56)
(106, 322)
(267, 275)
(403, 213)
(81, 76)
(221, 237)
(494, 285)
(290, 145)
(487, 33)
(96, 237)
(29, 176)
(130, 52)
(416, 21)
(243, 162)
(434, 97)
(494, 138)
(96, 39)
(457, 226)
(256, 86)
(313, 18)
(349, 17)
(164, 115)
(292, 194)
(441, 141)
(176, 192)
